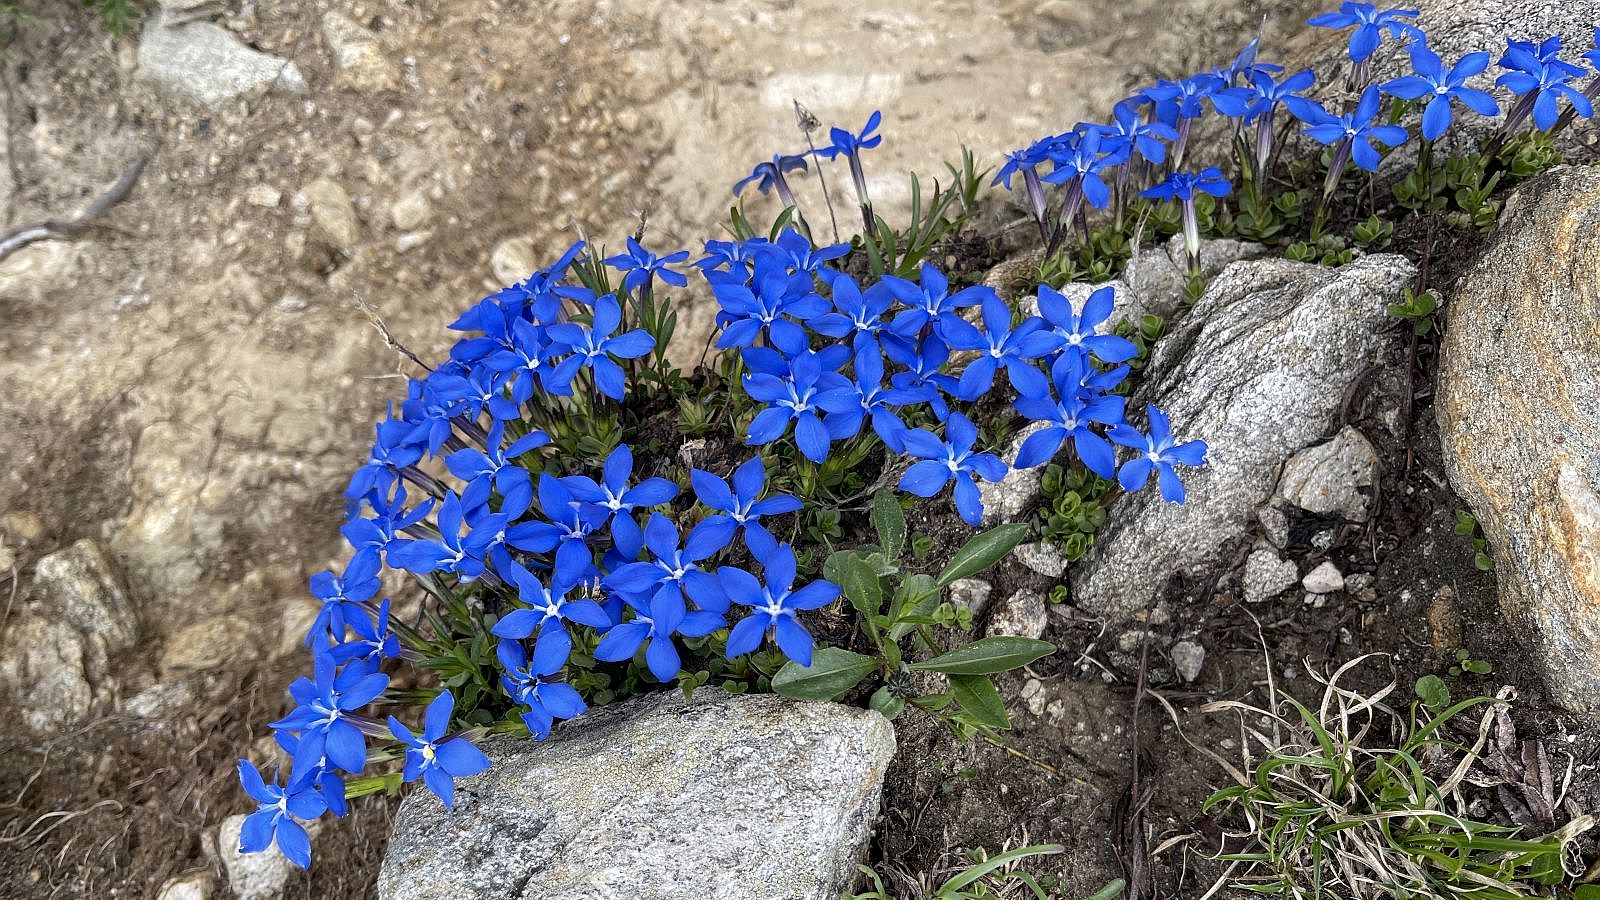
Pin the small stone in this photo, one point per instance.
(1033, 696)
(1266, 576)
(208, 644)
(1324, 579)
(972, 593)
(1358, 581)
(1130, 640)
(160, 701)
(513, 259)
(409, 241)
(1023, 614)
(1042, 558)
(1188, 658)
(1274, 525)
(361, 62)
(78, 587)
(47, 678)
(332, 211)
(1334, 477)
(410, 211)
(263, 195)
(8, 560)
(194, 886)
(255, 876)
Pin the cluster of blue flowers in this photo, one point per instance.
(825, 358)
(1102, 164)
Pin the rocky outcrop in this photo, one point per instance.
(1257, 369)
(1519, 413)
(721, 797)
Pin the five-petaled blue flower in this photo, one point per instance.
(1539, 79)
(1441, 85)
(1001, 345)
(546, 700)
(1369, 23)
(596, 345)
(774, 605)
(1157, 453)
(741, 507)
(612, 498)
(769, 175)
(638, 265)
(799, 398)
(655, 621)
(327, 705)
(437, 759)
(275, 820)
(951, 458)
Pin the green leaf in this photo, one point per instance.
(983, 551)
(972, 873)
(1433, 692)
(1484, 562)
(1110, 892)
(890, 522)
(915, 600)
(987, 656)
(979, 700)
(832, 672)
(861, 585)
(886, 702)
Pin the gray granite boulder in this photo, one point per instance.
(721, 797)
(1257, 369)
(1518, 403)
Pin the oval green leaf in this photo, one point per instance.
(983, 551)
(987, 656)
(832, 672)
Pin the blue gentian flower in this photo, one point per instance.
(1184, 187)
(275, 820)
(373, 638)
(1026, 162)
(924, 373)
(851, 145)
(456, 552)
(1370, 24)
(1073, 415)
(532, 360)
(612, 498)
(1258, 104)
(545, 700)
(1351, 134)
(951, 458)
(655, 621)
(799, 398)
(639, 265)
(1078, 166)
(492, 467)
(327, 705)
(875, 403)
(1157, 454)
(928, 300)
(673, 570)
(1001, 345)
(341, 597)
(1245, 66)
(1442, 85)
(545, 616)
(765, 304)
(567, 530)
(1079, 332)
(802, 256)
(437, 759)
(742, 506)
(1150, 139)
(769, 175)
(774, 605)
(856, 312)
(1539, 80)
(595, 346)
(391, 452)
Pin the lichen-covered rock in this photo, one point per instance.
(1023, 614)
(721, 797)
(1519, 412)
(1257, 369)
(1266, 575)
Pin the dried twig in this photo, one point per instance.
(21, 236)
(383, 331)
